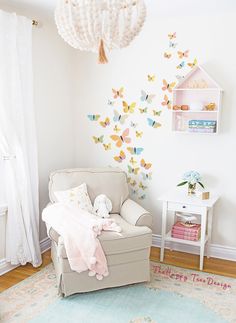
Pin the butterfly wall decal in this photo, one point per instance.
(143, 110)
(142, 197)
(193, 64)
(121, 139)
(181, 65)
(179, 77)
(111, 103)
(156, 113)
(133, 125)
(132, 161)
(172, 44)
(183, 54)
(134, 191)
(93, 117)
(132, 170)
(120, 157)
(153, 123)
(167, 55)
(118, 93)
(166, 102)
(135, 150)
(143, 187)
(139, 134)
(116, 129)
(128, 108)
(105, 123)
(98, 140)
(119, 118)
(145, 165)
(107, 146)
(131, 181)
(168, 86)
(147, 97)
(146, 176)
(172, 35)
(151, 78)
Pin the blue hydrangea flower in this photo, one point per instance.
(192, 177)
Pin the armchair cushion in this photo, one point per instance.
(135, 214)
(130, 239)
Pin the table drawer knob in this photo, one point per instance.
(184, 207)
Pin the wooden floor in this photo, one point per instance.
(22, 272)
(175, 258)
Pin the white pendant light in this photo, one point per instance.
(96, 25)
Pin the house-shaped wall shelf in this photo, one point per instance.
(196, 103)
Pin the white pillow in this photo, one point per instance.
(77, 194)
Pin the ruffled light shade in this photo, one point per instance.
(96, 25)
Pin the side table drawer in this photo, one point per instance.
(172, 206)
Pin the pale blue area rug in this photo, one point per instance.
(174, 295)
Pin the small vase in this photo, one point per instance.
(191, 189)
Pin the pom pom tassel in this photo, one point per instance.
(102, 55)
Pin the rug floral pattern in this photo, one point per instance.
(28, 299)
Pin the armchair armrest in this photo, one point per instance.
(135, 214)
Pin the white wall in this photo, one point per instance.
(207, 29)
(53, 80)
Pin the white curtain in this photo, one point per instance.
(18, 145)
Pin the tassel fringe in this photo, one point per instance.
(102, 55)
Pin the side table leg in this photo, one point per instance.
(209, 231)
(163, 230)
(203, 235)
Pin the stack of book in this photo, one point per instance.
(204, 126)
(192, 232)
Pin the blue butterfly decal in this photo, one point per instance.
(153, 123)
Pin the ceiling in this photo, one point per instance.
(41, 9)
(38, 8)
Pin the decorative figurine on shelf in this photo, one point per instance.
(185, 107)
(210, 107)
(192, 178)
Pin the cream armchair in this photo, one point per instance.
(127, 254)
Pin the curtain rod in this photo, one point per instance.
(35, 23)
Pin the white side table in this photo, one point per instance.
(179, 201)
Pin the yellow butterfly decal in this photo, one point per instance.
(128, 108)
(121, 157)
(167, 55)
(168, 86)
(131, 182)
(132, 170)
(172, 36)
(133, 161)
(139, 134)
(105, 123)
(143, 110)
(151, 78)
(193, 64)
(98, 139)
(143, 187)
(156, 113)
(107, 147)
(145, 165)
(116, 129)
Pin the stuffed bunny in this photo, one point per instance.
(102, 206)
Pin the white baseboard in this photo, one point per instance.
(216, 251)
(45, 245)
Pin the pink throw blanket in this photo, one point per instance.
(79, 230)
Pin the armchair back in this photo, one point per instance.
(109, 181)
